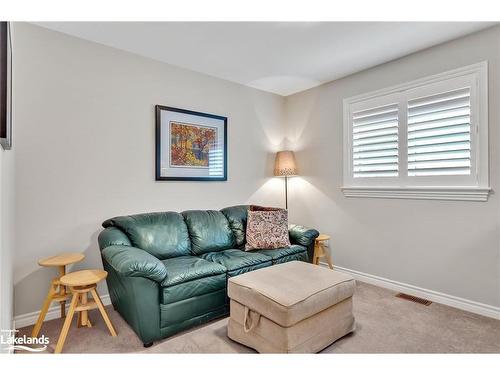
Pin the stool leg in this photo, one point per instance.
(85, 313)
(62, 291)
(328, 258)
(318, 254)
(43, 311)
(315, 254)
(67, 324)
(104, 314)
(63, 309)
(79, 319)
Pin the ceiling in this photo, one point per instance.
(279, 57)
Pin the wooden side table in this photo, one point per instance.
(320, 250)
(81, 283)
(57, 291)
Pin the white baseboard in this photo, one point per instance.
(438, 297)
(28, 319)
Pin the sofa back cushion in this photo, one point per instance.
(237, 217)
(162, 234)
(209, 231)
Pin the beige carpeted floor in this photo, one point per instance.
(385, 324)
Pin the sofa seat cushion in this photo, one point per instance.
(194, 310)
(193, 288)
(238, 261)
(189, 276)
(277, 255)
(188, 268)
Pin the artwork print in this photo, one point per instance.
(191, 145)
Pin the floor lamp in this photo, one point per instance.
(285, 166)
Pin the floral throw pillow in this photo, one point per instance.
(267, 230)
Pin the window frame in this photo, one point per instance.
(472, 187)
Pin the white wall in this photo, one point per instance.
(85, 146)
(448, 247)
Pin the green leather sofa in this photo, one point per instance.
(168, 271)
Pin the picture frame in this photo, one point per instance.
(190, 145)
(5, 86)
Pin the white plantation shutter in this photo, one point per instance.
(426, 139)
(375, 142)
(439, 134)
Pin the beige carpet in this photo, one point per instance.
(385, 324)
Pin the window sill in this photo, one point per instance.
(432, 193)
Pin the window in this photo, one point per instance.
(427, 139)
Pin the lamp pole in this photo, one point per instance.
(285, 166)
(286, 192)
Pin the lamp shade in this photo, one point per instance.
(285, 164)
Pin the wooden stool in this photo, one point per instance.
(57, 291)
(321, 251)
(80, 284)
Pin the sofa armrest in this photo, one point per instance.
(134, 262)
(301, 235)
(112, 236)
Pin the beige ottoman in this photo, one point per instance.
(292, 307)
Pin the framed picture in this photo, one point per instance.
(190, 146)
(5, 87)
